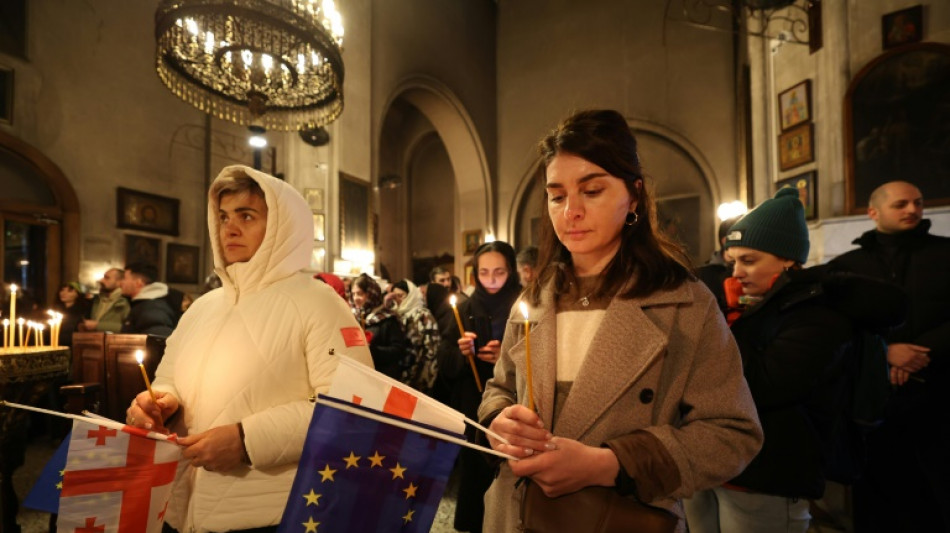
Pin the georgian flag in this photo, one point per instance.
(116, 479)
(357, 383)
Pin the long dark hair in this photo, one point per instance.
(647, 260)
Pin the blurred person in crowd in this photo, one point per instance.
(109, 308)
(150, 311)
(484, 317)
(527, 265)
(387, 341)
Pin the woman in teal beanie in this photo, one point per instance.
(794, 327)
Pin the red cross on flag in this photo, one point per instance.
(357, 383)
(117, 479)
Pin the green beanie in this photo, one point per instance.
(776, 226)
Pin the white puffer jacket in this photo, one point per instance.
(254, 351)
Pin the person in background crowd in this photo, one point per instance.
(437, 300)
(717, 269)
(795, 329)
(422, 332)
(238, 372)
(484, 317)
(638, 392)
(74, 306)
(150, 312)
(441, 276)
(905, 487)
(333, 281)
(387, 341)
(527, 265)
(109, 307)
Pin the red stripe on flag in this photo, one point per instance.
(357, 399)
(400, 403)
(353, 336)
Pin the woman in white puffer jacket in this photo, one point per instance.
(240, 368)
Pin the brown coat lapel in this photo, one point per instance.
(627, 344)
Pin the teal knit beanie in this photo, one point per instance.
(776, 226)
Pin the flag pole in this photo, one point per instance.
(98, 421)
(417, 429)
(487, 431)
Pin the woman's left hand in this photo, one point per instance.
(569, 468)
(217, 450)
(490, 352)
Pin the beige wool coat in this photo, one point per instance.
(661, 385)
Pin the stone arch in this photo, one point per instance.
(64, 209)
(453, 124)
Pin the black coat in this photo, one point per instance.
(794, 346)
(919, 263)
(153, 317)
(388, 346)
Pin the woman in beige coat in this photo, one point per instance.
(637, 383)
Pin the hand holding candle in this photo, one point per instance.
(471, 358)
(527, 354)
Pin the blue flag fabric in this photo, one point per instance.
(44, 496)
(360, 475)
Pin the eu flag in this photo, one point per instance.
(361, 475)
(44, 496)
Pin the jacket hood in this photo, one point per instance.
(152, 291)
(288, 234)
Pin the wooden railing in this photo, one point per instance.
(105, 375)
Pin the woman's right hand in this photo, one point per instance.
(144, 413)
(467, 344)
(524, 429)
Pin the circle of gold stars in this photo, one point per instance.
(353, 461)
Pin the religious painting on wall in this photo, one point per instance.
(902, 27)
(897, 124)
(471, 240)
(807, 191)
(181, 265)
(355, 216)
(796, 147)
(678, 218)
(794, 105)
(145, 250)
(147, 212)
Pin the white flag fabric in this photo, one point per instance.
(116, 480)
(357, 383)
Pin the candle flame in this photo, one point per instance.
(21, 321)
(6, 322)
(139, 356)
(13, 288)
(452, 300)
(524, 309)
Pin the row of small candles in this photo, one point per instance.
(13, 327)
(527, 353)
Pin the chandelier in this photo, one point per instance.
(269, 63)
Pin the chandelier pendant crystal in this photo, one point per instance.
(271, 63)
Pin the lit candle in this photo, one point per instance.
(40, 330)
(19, 323)
(29, 331)
(6, 332)
(59, 326)
(140, 357)
(471, 358)
(13, 303)
(527, 354)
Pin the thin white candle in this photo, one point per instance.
(527, 354)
